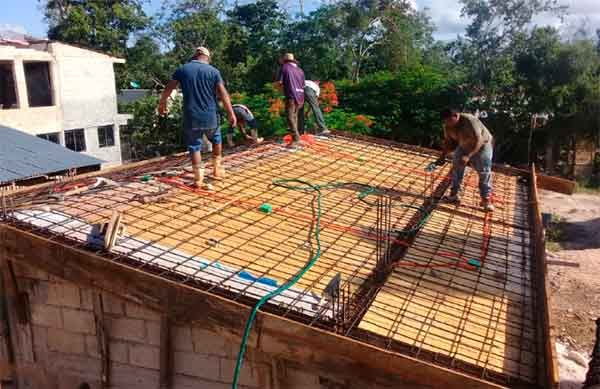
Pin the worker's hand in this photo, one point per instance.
(465, 159)
(232, 120)
(162, 108)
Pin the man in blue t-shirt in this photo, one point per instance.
(201, 85)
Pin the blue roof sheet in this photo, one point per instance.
(25, 156)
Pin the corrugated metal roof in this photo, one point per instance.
(26, 156)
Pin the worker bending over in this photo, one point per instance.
(471, 141)
(244, 117)
(201, 84)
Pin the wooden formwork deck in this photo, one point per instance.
(482, 317)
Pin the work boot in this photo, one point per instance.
(255, 138)
(325, 132)
(454, 198)
(487, 205)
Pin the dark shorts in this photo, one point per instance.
(252, 124)
(193, 137)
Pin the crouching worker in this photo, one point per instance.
(471, 141)
(244, 117)
(200, 84)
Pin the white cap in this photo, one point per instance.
(202, 50)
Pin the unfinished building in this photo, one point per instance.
(407, 292)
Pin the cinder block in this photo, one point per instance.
(112, 304)
(118, 352)
(299, 379)
(185, 382)
(79, 321)
(64, 294)
(127, 329)
(207, 342)
(196, 365)
(65, 342)
(181, 338)
(85, 368)
(40, 337)
(46, 315)
(131, 377)
(153, 332)
(87, 298)
(144, 356)
(255, 375)
(91, 346)
(139, 312)
(39, 292)
(26, 271)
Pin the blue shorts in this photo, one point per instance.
(193, 137)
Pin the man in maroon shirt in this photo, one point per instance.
(292, 78)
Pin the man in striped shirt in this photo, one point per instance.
(244, 118)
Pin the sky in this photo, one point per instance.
(27, 16)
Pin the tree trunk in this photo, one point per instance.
(549, 157)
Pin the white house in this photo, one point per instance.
(62, 93)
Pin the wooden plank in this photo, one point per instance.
(549, 370)
(285, 338)
(102, 339)
(166, 353)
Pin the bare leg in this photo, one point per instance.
(218, 171)
(197, 168)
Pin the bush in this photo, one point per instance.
(405, 105)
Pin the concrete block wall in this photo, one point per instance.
(65, 342)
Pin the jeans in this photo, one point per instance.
(193, 137)
(481, 162)
(313, 101)
(292, 108)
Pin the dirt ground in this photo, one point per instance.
(575, 291)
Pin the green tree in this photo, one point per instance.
(258, 29)
(105, 25)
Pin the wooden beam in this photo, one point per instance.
(279, 336)
(103, 345)
(549, 368)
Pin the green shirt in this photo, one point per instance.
(469, 133)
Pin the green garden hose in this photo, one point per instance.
(299, 185)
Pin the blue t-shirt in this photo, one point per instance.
(199, 82)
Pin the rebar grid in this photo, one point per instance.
(479, 316)
(211, 239)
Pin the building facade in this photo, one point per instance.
(64, 94)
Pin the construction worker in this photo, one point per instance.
(291, 77)
(201, 84)
(311, 95)
(471, 141)
(244, 118)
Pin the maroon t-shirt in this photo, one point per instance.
(292, 78)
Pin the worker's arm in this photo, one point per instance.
(224, 96)
(476, 140)
(164, 97)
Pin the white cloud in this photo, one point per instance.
(581, 15)
(13, 27)
(445, 14)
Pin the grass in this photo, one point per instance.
(588, 186)
(556, 233)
